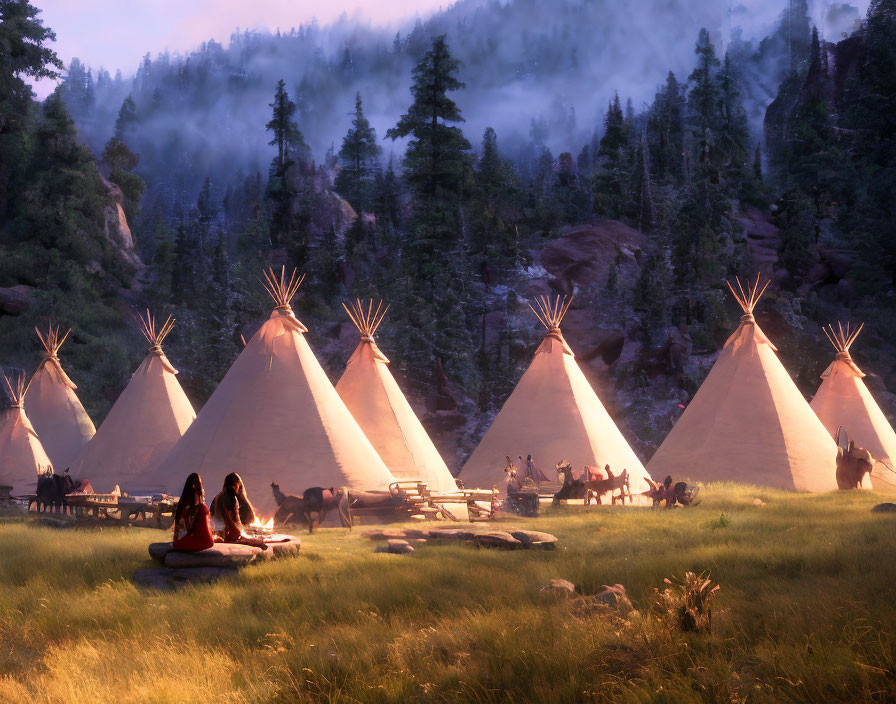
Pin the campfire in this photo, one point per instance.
(257, 529)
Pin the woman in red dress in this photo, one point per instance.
(192, 522)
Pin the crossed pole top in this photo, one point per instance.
(281, 289)
(551, 314)
(748, 297)
(366, 320)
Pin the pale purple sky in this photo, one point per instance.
(116, 34)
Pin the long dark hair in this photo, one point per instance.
(247, 511)
(192, 486)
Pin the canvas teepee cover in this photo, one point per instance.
(844, 400)
(147, 419)
(22, 457)
(748, 422)
(372, 396)
(275, 417)
(554, 414)
(53, 407)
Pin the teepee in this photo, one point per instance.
(552, 414)
(844, 400)
(147, 419)
(371, 394)
(275, 417)
(53, 407)
(748, 422)
(22, 457)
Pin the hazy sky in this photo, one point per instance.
(116, 34)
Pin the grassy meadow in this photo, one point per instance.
(806, 613)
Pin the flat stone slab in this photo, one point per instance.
(515, 539)
(535, 540)
(396, 546)
(167, 579)
(451, 534)
(497, 539)
(230, 555)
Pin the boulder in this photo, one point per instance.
(167, 579)
(884, 508)
(15, 300)
(613, 595)
(559, 588)
(116, 228)
(535, 540)
(497, 539)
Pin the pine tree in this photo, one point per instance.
(704, 94)
(358, 159)
(127, 117)
(281, 191)
(614, 137)
(436, 155)
(734, 133)
(665, 130)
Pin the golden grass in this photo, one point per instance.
(806, 613)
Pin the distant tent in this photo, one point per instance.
(149, 417)
(748, 422)
(552, 414)
(275, 417)
(53, 407)
(844, 400)
(22, 457)
(372, 396)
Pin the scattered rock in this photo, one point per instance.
(399, 547)
(15, 300)
(884, 508)
(395, 533)
(497, 539)
(167, 579)
(535, 540)
(396, 546)
(613, 596)
(559, 588)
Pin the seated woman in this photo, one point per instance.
(192, 525)
(231, 510)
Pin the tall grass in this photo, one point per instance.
(805, 613)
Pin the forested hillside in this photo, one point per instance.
(474, 171)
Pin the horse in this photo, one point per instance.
(51, 491)
(315, 500)
(671, 492)
(583, 486)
